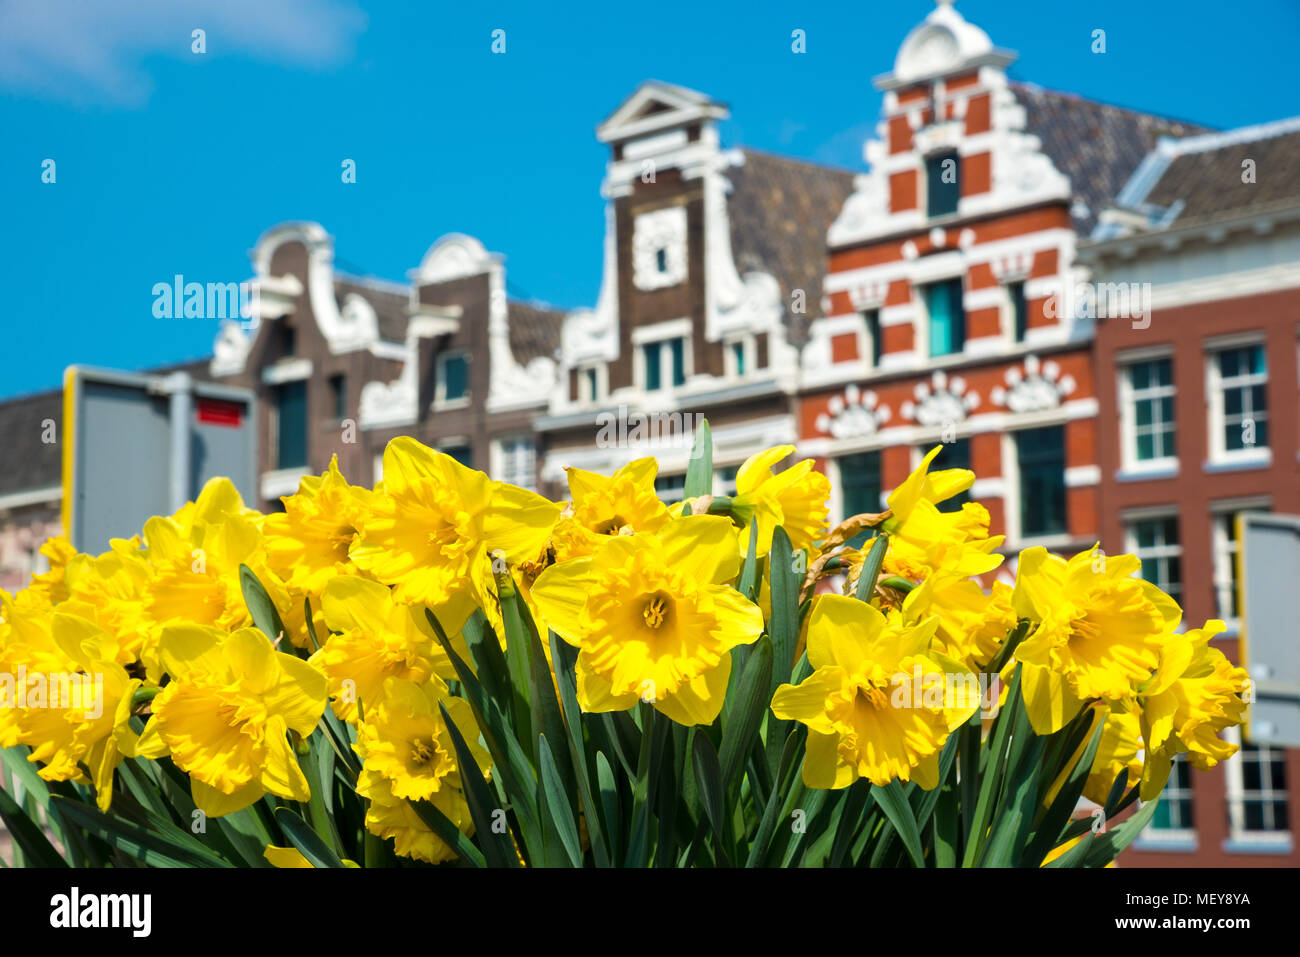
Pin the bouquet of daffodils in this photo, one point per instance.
(448, 670)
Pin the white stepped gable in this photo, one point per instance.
(1039, 386)
(940, 402)
(853, 415)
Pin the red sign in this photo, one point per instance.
(219, 412)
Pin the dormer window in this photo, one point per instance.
(452, 380)
(942, 183)
(664, 363)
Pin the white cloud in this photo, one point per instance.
(95, 50)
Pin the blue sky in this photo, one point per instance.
(170, 162)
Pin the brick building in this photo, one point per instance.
(1206, 398)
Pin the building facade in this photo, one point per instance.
(1206, 399)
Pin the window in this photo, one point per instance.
(859, 487)
(671, 489)
(517, 462)
(946, 318)
(291, 425)
(1226, 560)
(591, 383)
(724, 480)
(339, 397)
(462, 454)
(1173, 816)
(1238, 401)
(1019, 311)
(661, 260)
(875, 346)
(1040, 455)
(287, 340)
(1155, 541)
(942, 183)
(1257, 799)
(739, 356)
(666, 357)
(952, 455)
(453, 379)
(1147, 410)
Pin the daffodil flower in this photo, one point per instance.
(439, 532)
(1096, 631)
(225, 716)
(619, 504)
(307, 544)
(879, 703)
(1195, 693)
(654, 618)
(794, 499)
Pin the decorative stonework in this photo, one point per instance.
(854, 415)
(941, 402)
(1038, 387)
(659, 248)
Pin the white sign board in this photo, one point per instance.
(1269, 583)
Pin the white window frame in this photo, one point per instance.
(867, 338)
(1011, 500)
(1131, 520)
(1215, 416)
(1128, 398)
(749, 344)
(602, 381)
(1235, 794)
(502, 466)
(719, 486)
(666, 384)
(1223, 549)
(1008, 310)
(440, 400)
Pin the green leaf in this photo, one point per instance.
(991, 776)
(748, 582)
(699, 471)
(564, 658)
(133, 840)
(944, 827)
(28, 835)
(858, 801)
(1098, 850)
(750, 706)
(308, 842)
(498, 850)
(891, 800)
(560, 811)
(311, 626)
(260, 606)
(1049, 831)
(871, 568)
(450, 834)
(708, 777)
(784, 626)
(609, 803)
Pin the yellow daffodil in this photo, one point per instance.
(405, 740)
(226, 714)
(291, 857)
(620, 504)
(1096, 631)
(437, 529)
(653, 618)
(1195, 694)
(307, 544)
(923, 539)
(375, 639)
(879, 703)
(972, 625)
(794, 499)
